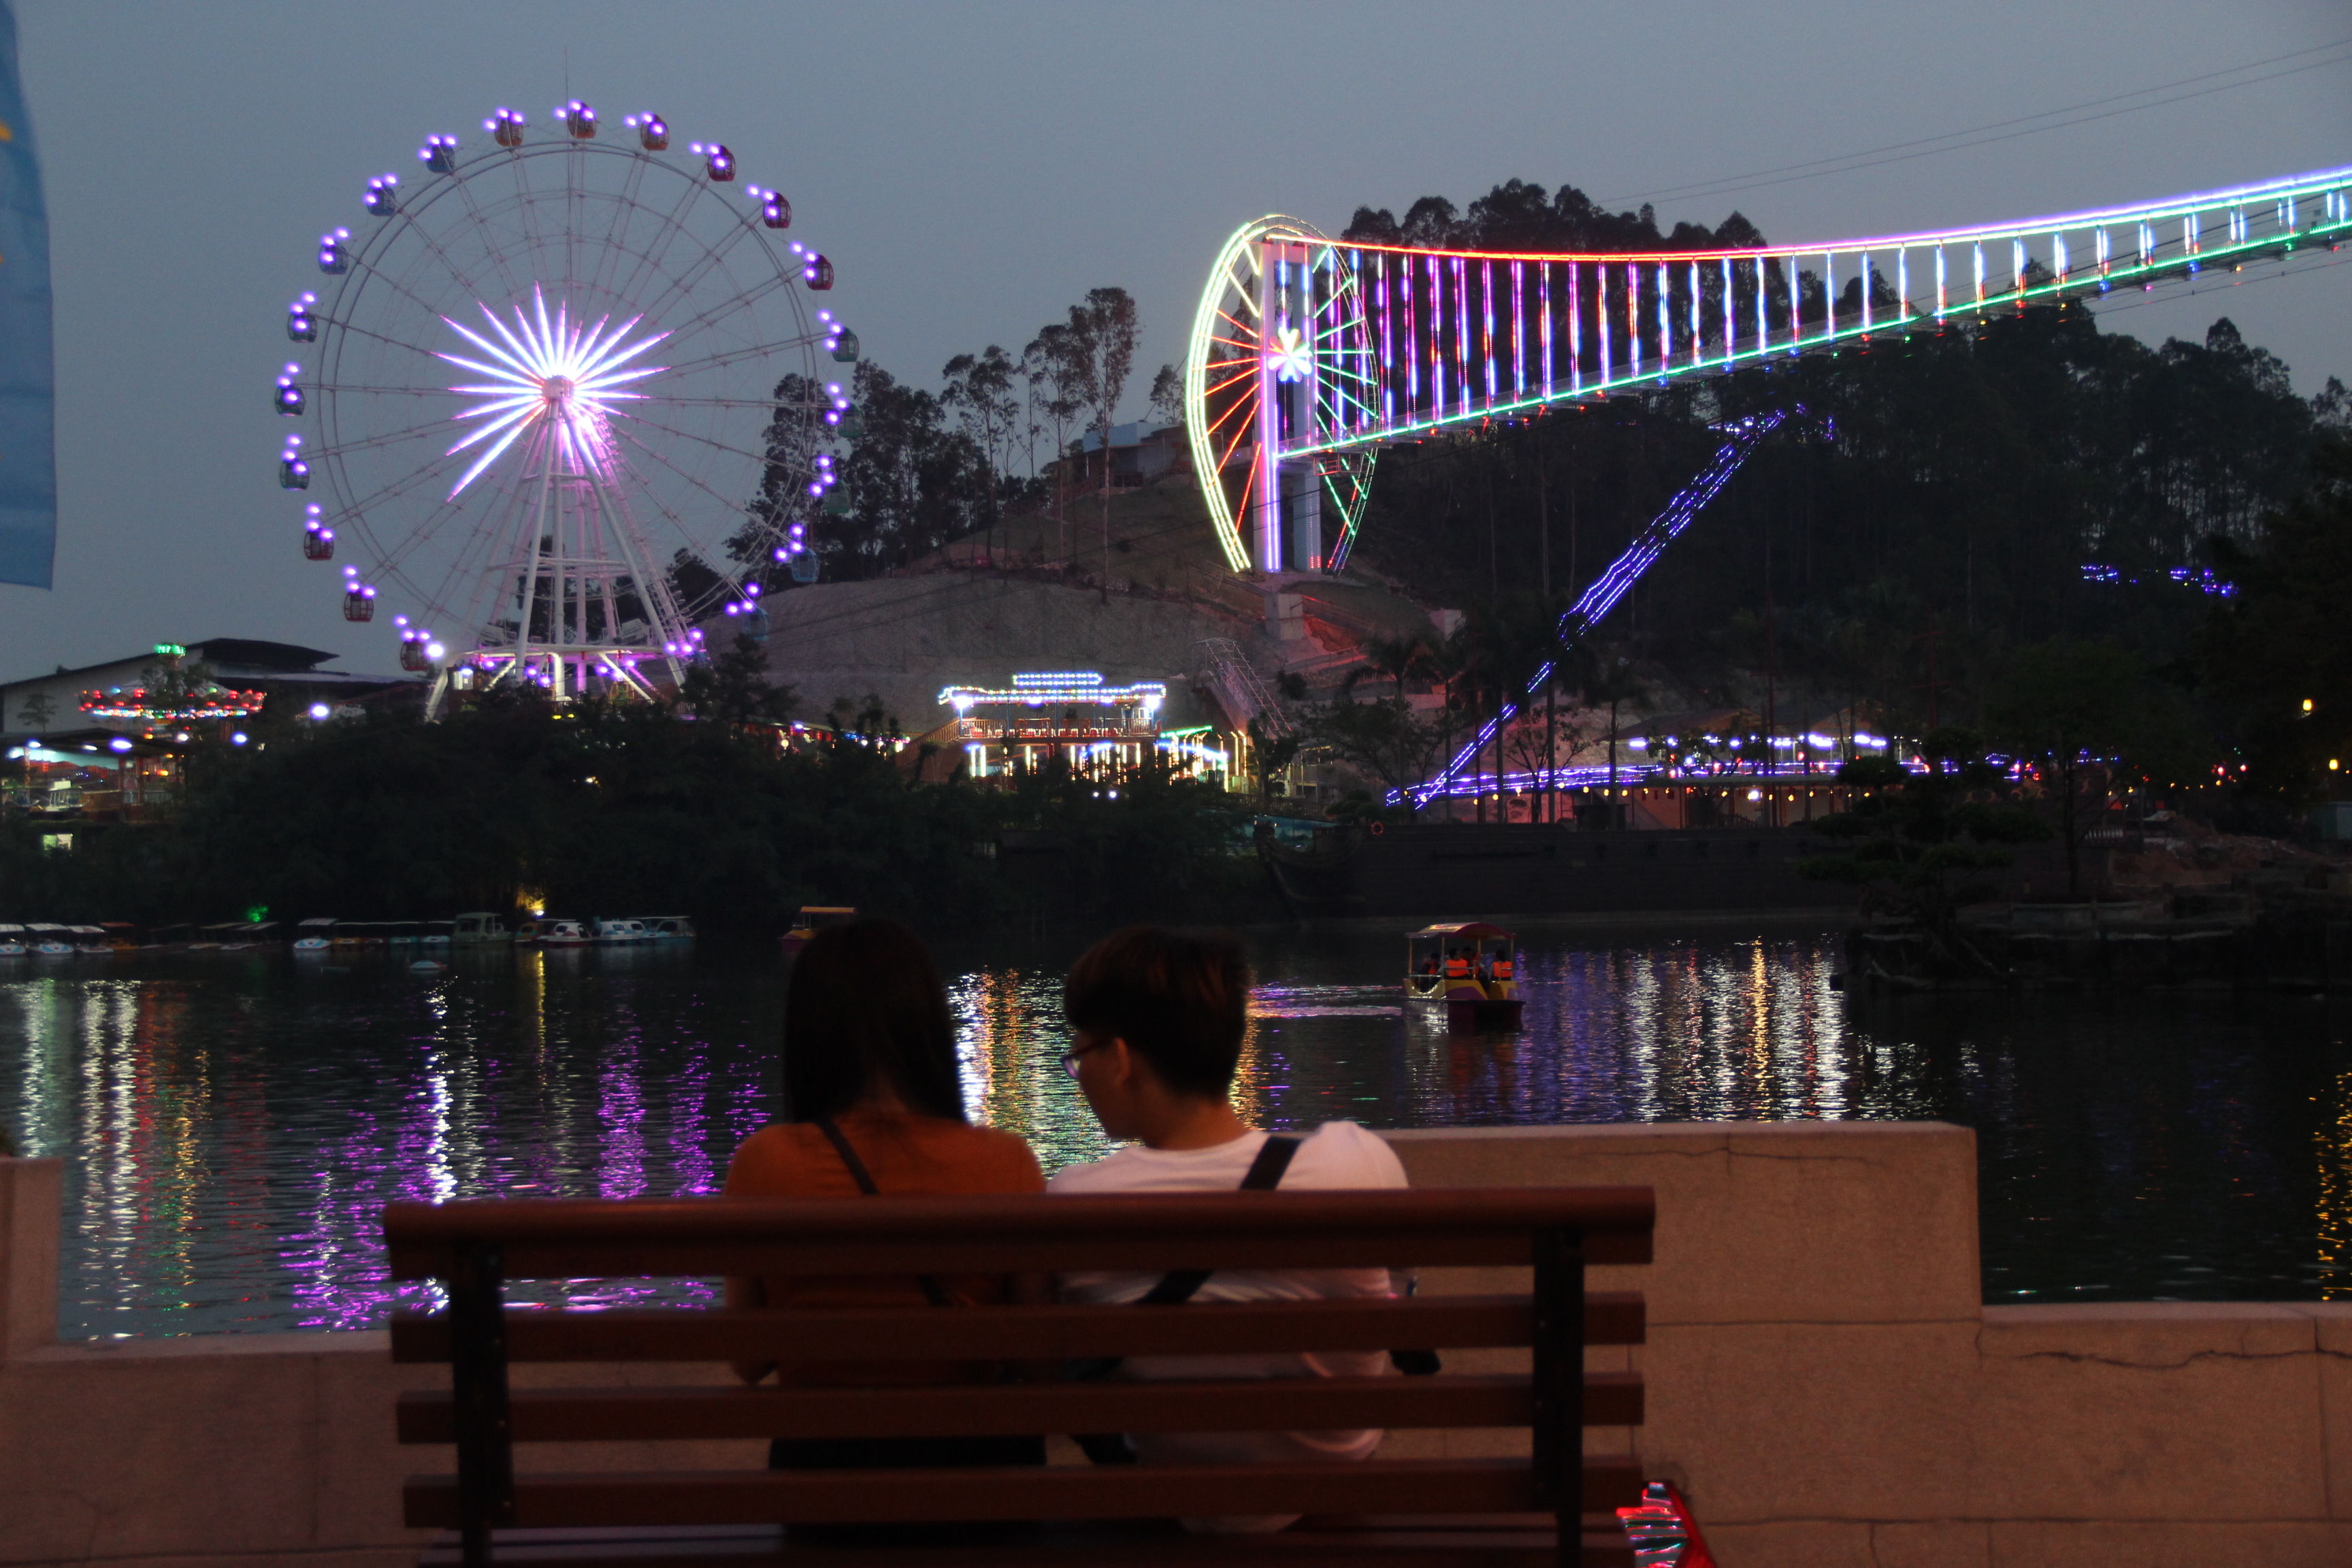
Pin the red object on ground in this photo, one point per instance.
(1663, 1531)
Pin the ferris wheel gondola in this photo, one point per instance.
(565, 401)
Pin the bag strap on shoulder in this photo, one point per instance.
(933, 1291)
(1265, 1174)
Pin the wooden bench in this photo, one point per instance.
(1551, 1507)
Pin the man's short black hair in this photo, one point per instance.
(1179, 1001)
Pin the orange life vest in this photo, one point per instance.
(1502, 969)
(1457, 968)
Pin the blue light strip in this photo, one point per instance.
(1592, 606)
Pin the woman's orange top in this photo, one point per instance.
(906, 1154)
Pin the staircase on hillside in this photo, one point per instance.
(1219, 662)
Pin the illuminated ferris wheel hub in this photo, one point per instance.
(568, 404)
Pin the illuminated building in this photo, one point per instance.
(1097, 730)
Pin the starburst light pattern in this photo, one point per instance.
(558, 375)
(1294, 357)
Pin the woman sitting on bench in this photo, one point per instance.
(873, 1103)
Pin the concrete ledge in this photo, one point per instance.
(1824, 1382)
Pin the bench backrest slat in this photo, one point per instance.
(1206, 1404)
(1132, 1491)
(566, 1239)
(1021, 1332)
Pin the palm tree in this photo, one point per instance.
(1612, 682)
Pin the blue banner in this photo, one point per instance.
(28, 465)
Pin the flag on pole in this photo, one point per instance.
(28, 467)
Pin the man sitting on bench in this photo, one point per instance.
(1159, 1018)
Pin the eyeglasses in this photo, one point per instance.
(1070, 1057)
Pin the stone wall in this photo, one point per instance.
(1822, 1380)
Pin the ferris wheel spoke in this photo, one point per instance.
(665, 233)
(386, 438)
(526, 203)
(360, 389)
(355, 329)
(398, 287)
(433, 248)
(701, 550)
(726, 357)
(764, 458)
(738, 508)
(813, 404)
(482, 226)
(394, 558)
(684, 282)
(742, 301)
(623, 206)
(360, 508)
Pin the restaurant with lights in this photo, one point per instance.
(1098, 730)
(106, 741)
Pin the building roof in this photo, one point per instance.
(248, 655)
(1135, 433)
(257, 654)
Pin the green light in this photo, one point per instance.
(170, 649)
(257, 914)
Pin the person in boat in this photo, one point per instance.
(1159, 1018)
(1457, 963)
(873, 1103)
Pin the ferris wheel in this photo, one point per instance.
(1280, 349)
(568, 403)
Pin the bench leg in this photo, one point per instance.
(478, 1375)
(1559, 1380)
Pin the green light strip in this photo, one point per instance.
(2176, 268)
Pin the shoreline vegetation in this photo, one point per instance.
(606, 809)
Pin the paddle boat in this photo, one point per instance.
(480, 927)
(1469, 968)
(669, 927)
(12, 941)
(554, 933)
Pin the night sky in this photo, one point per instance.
(973, 169)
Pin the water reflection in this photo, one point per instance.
(235, 1123)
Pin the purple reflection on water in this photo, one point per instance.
(233, 1125)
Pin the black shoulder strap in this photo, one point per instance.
(1265, 1174)
(933, 1291)
(857, 1171)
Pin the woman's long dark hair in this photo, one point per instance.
(865, 1011)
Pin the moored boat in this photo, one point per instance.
(12, 941)
(479, 928)
(812, 918)
(618, 932)
(669, 927)
(1469, 968)
(554, 933)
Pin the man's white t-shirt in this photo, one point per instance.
(1338, 1155)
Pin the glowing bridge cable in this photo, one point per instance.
(1592, 606)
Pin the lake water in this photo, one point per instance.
(234, 1123)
